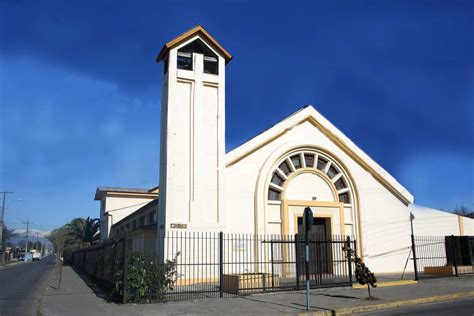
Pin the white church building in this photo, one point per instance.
(263, 186)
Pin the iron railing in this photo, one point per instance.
(436, 256)
(219, 265)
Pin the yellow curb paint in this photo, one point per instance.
(394, 304)
(388, 283)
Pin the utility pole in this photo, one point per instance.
(28, 222)
(413, 246)
(37, 240)
(2, 213)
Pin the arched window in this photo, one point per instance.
(309, 160)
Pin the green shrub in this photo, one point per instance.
(363, 275)
(147, 281)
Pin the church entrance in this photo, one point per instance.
(321, 227)
(319, 248)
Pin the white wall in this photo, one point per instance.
(119, 208)
(432, 222)
(468, 226)
(384, 218)
(192, 127)
(377, 205)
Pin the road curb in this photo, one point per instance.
(393, 304)
(10, 264)
(387, 283)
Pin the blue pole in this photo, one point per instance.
(307, 274)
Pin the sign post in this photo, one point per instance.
(308, 223)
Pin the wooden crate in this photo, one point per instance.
(247, 281)
(448, 270)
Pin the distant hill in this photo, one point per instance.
(21, 235)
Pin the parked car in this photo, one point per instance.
(36, 256)
(28, 257)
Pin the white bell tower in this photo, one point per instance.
(192, 133)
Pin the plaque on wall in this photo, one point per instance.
(179, 226)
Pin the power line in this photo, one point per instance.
(129, 206)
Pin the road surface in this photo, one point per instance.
(22, 286)
(455, 307)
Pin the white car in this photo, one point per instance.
(36, 256)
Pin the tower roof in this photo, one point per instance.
(186, 35)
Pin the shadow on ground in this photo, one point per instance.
(100, 290)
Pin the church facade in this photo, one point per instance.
(263, 186)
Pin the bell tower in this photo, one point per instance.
(192, 144)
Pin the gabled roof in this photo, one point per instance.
(153, 192)
(310, 114)
(425, 210)
(186, 35)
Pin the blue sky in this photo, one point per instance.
(80, 91)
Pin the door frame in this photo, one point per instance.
(285, 227)
(326, 217)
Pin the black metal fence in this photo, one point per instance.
(101, 262)
(222, 265)
(216, 264)
(436, 256)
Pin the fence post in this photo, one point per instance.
(297, 258)
(271, 254)
(84, 260)
(413, 246)
(125, 268)
(454, 255)
(349, 260)
(221, 264)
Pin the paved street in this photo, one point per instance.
(458, 308)
(75, 297)
(22, 286)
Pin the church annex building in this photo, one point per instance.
(263, 186)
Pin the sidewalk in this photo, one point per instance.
(10, 264)
(76, 298)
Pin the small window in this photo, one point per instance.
(276, 179)
(344, 198)
(285, 168)
(185, 57)
(127, 226)
(151, 218)
(165, 66)
(134, 224)
(185, 61)
(340, 184)
(142, 221)
(273, 195)
(211, 65)
(322, 163)
(332, 172)
(309, 160)
(296, 161)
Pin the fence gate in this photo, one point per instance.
(328, 265)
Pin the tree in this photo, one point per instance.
(463, 211)
(7, 233)
(58, 238)
(92, 230)
(84, 231)
(362, 273)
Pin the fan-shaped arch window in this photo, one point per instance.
(309, 160)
